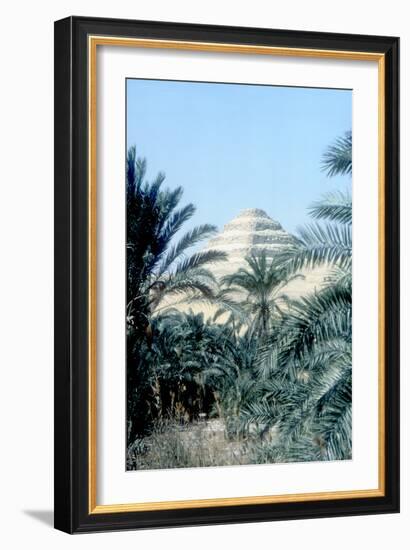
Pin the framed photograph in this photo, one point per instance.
(226, 274)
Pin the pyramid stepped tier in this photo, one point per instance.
(251, 233)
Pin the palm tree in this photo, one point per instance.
(331, 242)
(185, 346)
(157, 267)
(259, 285)
(231, 376)
(306, 390)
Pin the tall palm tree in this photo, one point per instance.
(307, 390)
(157, 267)
(259, 287)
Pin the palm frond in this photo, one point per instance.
(335, 207)
(175, 222)
(188, 240)
(259, 413)
(319, 245)
(340, 277)
(200, 259)
(338, 157)
(333, 417)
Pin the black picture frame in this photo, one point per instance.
(71, 492)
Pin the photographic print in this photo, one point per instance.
(226, 300)
(239, 281)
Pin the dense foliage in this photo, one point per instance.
(275, 373)
(156, 269)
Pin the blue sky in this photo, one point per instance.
(234, 146)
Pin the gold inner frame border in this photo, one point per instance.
(93, 43)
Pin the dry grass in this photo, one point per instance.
(191, 445)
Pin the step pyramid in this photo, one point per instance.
(250, 233)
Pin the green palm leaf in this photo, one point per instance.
(338, 157)
(200, 259)
(335, 207)
(319, 245)
(190, 239)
